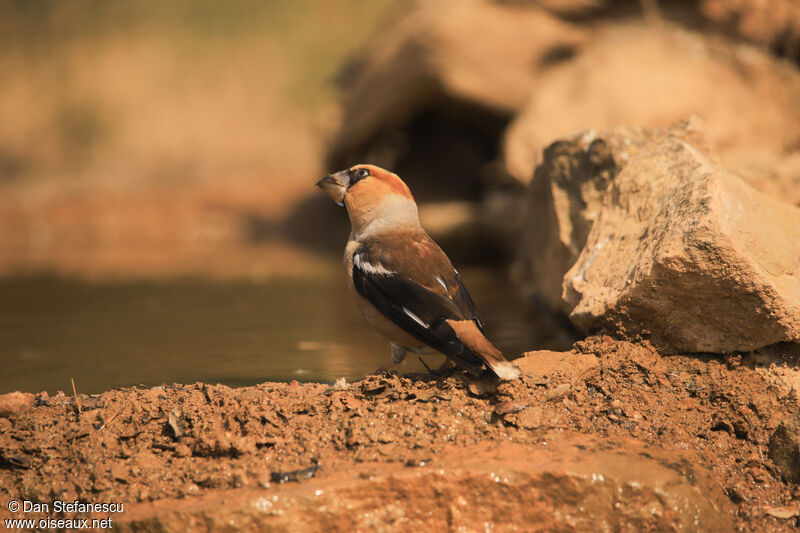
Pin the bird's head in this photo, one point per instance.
(371, 194)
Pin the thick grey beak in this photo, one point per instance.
(335, 185)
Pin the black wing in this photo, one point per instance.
(418, 310)
(465, 303)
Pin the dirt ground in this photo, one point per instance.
(396, 453)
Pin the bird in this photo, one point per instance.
(403, 283)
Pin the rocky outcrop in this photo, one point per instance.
(775, 24)
(642, 233)
(751, 106)
(480, 52)
(434, 89)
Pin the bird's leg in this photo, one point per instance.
(398, 354)
(444, 367)
(421, 360)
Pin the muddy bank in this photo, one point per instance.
(610, 434)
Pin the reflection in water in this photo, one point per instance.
(236, 333)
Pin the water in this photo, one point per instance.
(236, 333)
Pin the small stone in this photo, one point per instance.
(530, 418)
(182, 450)
(239, 479)
(374, 388)
(482, 388)
(504, 408)
(119, 472)
(784, 449)
(350, 403)
(559, 392)
(14, 402)
(176, 423)
(416, 461)
(509, 389)
(783, 512)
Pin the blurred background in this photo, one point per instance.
(158, 215)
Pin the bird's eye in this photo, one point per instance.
(357, 175)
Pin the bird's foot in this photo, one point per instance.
(442, 370)
(385, 370)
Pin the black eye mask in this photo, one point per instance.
(358, 174)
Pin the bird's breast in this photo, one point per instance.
(383, 325)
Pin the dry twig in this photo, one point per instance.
(75, 392)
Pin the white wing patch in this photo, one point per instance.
(415, 318)
(441, 282)
(369, 268)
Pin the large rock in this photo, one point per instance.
(643, 233)
(444, 53)
(571, 483)
(775, 23)
(748, 99)
(564, 198)
(431, 93)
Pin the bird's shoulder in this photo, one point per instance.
(414, 256)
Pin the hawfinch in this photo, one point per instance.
(403, 283)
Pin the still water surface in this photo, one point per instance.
(236, 333)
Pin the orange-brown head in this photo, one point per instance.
(373, 196)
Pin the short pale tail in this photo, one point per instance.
(469, 334)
